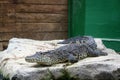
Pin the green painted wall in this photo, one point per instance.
(76, 17)
(98, 18)
(102, 18)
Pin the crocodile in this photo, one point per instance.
(72, 52)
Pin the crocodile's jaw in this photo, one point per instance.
(42, 62)
(45, 59)
(39, 59)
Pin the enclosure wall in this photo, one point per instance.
(34, 19)
(98, 18)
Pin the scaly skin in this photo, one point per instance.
(70, 52)
(89, 40)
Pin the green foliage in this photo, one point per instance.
(65, 76)
(49, 76)
(3, 78)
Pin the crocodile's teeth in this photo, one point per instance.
(30, 59)
(39, 60)
(33, 60)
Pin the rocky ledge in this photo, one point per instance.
(14, 66)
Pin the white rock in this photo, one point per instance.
(13, 65)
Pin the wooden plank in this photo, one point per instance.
(1, 10)
(8, 17)
(34, 8)
(39, 1)
(33, 17)
(43, 27)
(7, 13)
(5, 1)
(1, 46)
(5, 44)
(9, 27)
(41, 8)
(32, 27)
(1, 18)
(34, 35)
(34, 1)
(8, 8)
(1, 14)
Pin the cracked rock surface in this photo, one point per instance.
(14, 66)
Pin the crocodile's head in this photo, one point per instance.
(40, 58)
(44, 58)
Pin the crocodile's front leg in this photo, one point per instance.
(72, 59)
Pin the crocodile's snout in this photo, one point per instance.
(41, 59)
(38, 59)
(30, 59)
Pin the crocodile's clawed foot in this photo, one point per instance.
(68, 64)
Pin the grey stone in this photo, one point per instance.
(14, 66)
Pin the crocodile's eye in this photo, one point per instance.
(37, 52)
(40, 52)
(83, 41)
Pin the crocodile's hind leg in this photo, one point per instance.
(91, 52)
(95, 52)
(99, 52)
